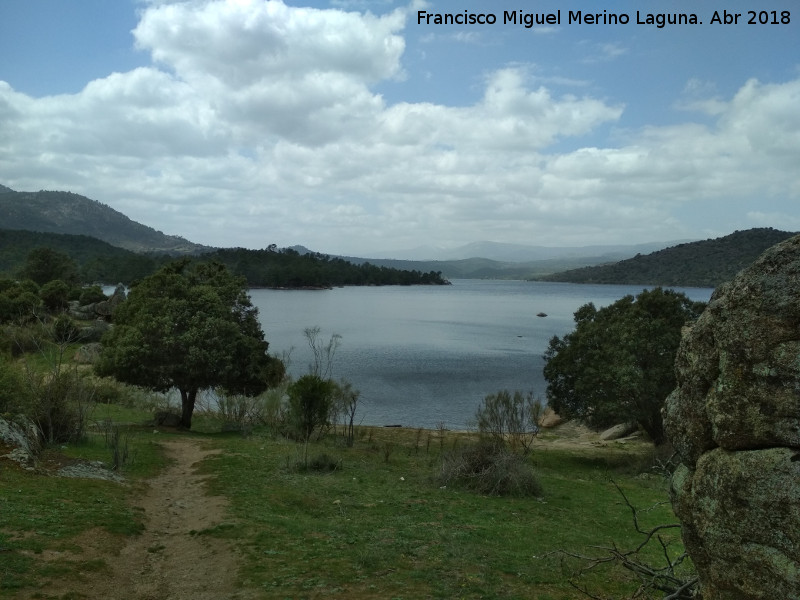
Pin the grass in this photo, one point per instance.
(384, 529)
(46, 520)
(378, 526)
(42, 513)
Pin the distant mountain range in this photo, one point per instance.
(494, 260)
(520, 253)
(703, 263)
(65, 212)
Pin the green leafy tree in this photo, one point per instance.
(91, 295)
(617, 365)
(55, 295)
(310, 404)
(45, 264)
(190, 326)
(19, 300)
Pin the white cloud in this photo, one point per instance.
(259, 123)
(785, 221)
(701, 96)
(605, 52)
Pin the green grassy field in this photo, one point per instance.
(379, 526)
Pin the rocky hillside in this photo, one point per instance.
(65, 212)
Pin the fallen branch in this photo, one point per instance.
(665, 579)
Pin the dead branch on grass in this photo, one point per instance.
(667, 578)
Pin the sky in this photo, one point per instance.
(354, 127)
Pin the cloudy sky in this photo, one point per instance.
(351, 128)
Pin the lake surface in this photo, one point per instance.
(426, 355)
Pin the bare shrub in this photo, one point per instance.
(512, 419)
(417, 439)
(324, 462)
(441, 430)
(345, 405)
(237, 411)
(242, 413)
(120, 452)
(489, 468)
(274, 406)
(388, 448)
(319, 463)
(323, 353)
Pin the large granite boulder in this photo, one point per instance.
(734, 419)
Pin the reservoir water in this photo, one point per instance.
(425, 355)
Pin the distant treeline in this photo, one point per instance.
(287, 268)
(98, 261)
(696, 264)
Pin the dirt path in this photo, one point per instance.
(168, 561)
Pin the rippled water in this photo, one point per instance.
(428, 355)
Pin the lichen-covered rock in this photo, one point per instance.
(734, 418)
(740, 512)
(22, 436)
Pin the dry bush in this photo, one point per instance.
(512, 419)
(489, 468)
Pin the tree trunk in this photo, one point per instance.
(188, 398)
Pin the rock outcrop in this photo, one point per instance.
(21, 436)
(102, 310)
(618, 432)
(735, 421)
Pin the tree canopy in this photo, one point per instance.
(190, 326)
(45, 264)
(288, 268)
(617, 365)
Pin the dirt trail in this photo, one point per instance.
(168, 562)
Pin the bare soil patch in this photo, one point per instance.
(169, 560)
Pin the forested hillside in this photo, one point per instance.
(98, 261)
(706, 263)
(279, 268)
(65, 212)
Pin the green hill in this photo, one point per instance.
(65, 212)
(706, 263)
(98, 261)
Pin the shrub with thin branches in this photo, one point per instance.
(489, 468)
(512, 419)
